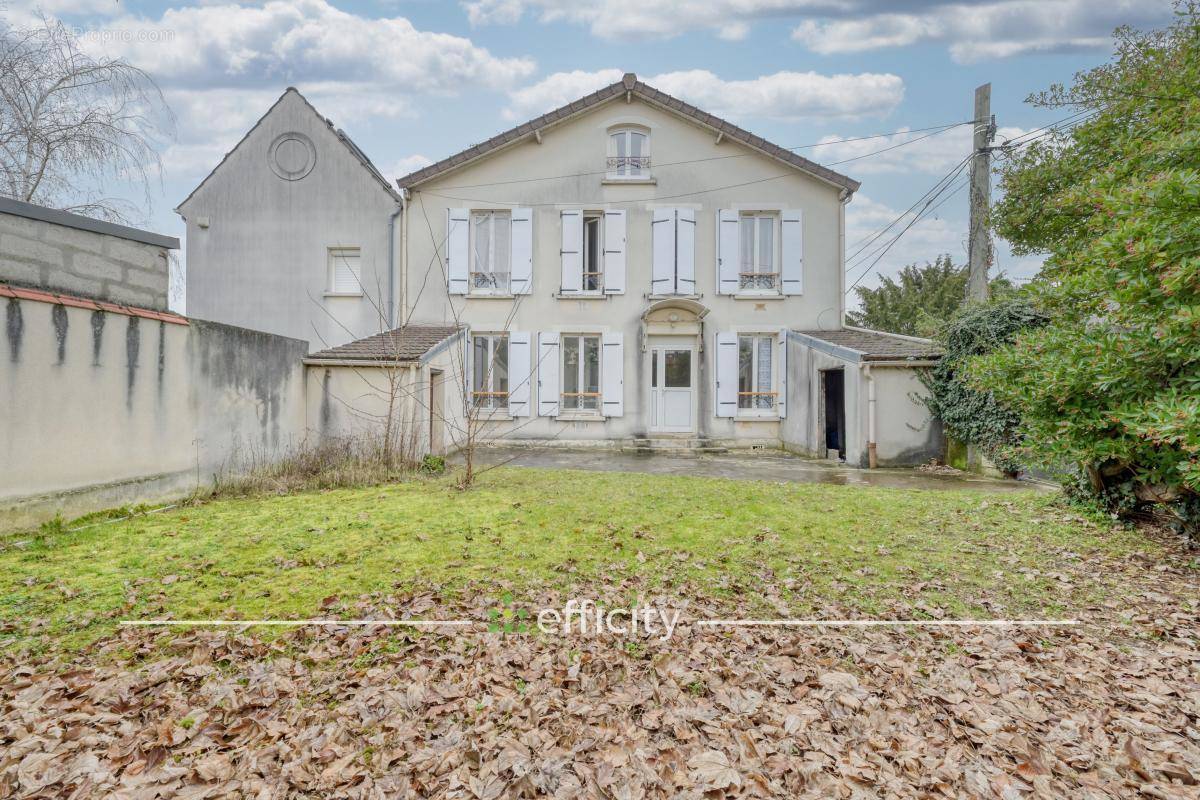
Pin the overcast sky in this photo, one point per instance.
(415, 80)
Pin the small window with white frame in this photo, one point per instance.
(628, 152)
(491, 243)
(345, 271)
(758, 263)
(757, 392)
(593, 253)
(581, 373)
(489, 371)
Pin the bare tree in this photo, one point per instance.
(71, 122)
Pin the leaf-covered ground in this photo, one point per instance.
(1110, 708)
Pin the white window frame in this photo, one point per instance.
(598, 396)
(756, 354)
(472, 287)
(596, 269)
(776, 263)
(615, 169)
(332, 256)
(487, 393)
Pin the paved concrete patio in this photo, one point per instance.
(771, 465)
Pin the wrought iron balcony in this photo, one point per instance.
(629, 165)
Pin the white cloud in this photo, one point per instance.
(970, 31)
(910, 152)
(404, 166)
(999, 29)
(305, 41)
(221, 66)
(784, 95)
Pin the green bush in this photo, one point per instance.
(1111, 385)
(970, 413)
(433, 465)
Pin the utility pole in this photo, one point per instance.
(979, 243)
(979, 247)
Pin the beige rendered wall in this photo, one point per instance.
(907, 433)
(578, 147)
(424, 401)
(103, 409)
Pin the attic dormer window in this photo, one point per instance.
(629, 152)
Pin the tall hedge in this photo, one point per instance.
(972, 413)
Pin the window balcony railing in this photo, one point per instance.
(490, 400)
(757, 401)
(629, 166)
(490, 282)
(758, 281)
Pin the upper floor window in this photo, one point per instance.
(758, 265)
(629, 153)
(593, 252)
(491, 233)
(345, 275)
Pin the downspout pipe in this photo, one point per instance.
(391, 303)
(872, 459)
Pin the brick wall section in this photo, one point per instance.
(48, 256)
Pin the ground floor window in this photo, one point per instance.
(581, 373)
(756, 373)
(489, 371)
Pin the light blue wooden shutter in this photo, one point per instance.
(614, 252)
(727, 374)
(522, 250)
(728, 251)
(572, 252)
(792, 255)
(685, 251)
(547, 370)
(662, 251)
(612, 374)
(458, 231)
(781, 367)
(520, 373)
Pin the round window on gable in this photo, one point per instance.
(292, 156)
(629, 152)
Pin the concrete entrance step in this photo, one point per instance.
(672, 445)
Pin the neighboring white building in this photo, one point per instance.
(624, 268)
(292, 233)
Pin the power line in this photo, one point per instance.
(925, 211)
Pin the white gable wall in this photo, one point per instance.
(719, 176)
(262, 262)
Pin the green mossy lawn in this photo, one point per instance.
(859, 549)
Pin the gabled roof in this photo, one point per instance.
(862, 344)
(354, 149)
(406, 344)
(632, 86)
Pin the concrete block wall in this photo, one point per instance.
(60, 253)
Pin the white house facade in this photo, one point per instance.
(625, 269)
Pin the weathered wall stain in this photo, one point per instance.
(133, 343)
(58, 316)
(15, 326)
(326, 410)
(251, 363)
(97, 336)
(162, 355)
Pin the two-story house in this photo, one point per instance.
(628, 268)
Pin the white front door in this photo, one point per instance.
(672, 388)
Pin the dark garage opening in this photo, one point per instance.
(834, 408)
